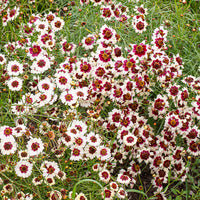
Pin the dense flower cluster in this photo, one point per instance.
(138, 96)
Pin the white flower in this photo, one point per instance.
(123, 179)
(88, 42)
(14, 68)
(2, 59)
(57, 24)
(14, 84)
(129, 140)
(68, 97)
(90, 151)
(103, 153)
(19, 130)
(42, 99)
(23, 169)
(104, 176)
(76, 153)
(93, 139)
(8, 145)
(35, 146)
(41, 26)
(49, 169)
(23, 155)
(5, 131)
(55, 195)
(63, 81)
(81, 196)
(37, 181)
(121, 193)
(41, 65)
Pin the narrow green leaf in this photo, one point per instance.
(86, 180)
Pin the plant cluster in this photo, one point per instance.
(115, 108)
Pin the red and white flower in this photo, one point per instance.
(108, 34)
(103, 153)
(50, 169)
(14, 84)
(34, 51)
(45, 86)
(130, 140)
(68, 47)
(88, 42)
(14, 68)
(35, 146)
(104, 176)
(123, 179)
(68, 97)
(6, 131)
(57, 24)
(140, 50)
(2, 59)
(76, 154)
(8, 145)
(122, 194)
(23, 169)
(41, 65)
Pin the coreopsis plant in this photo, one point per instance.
(105, 112)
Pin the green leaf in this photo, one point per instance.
(86, 180)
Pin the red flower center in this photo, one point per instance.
(23, 168)
(15, 83)
(15, 68)
(8, 145)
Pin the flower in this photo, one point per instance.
(93, 139)
(45, 86)
(68, 47)
(8, 188)
(104, 176)
(55, 195)
(107, 13)
(63, 81)
(139, 25)
(173, 122)
(130, 140)
(107, 34)
(80, 196)
(50, 169)
(88, 42)
(14, 68)
(103, 153)
(123, 179)
(79, 140)
(5, 131)
(8, 145)
(109, 194)
(68, 97)
(41, 65)
(68, 139)
(14, 84)
(49, 181)
(140, 50)
(114, 186)
(76, 153)
(57, 24)
(35, 146)
(23, 168)
(23, 155)
(2, 59)
(37, 181)
(41, 26)
(121, 193)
